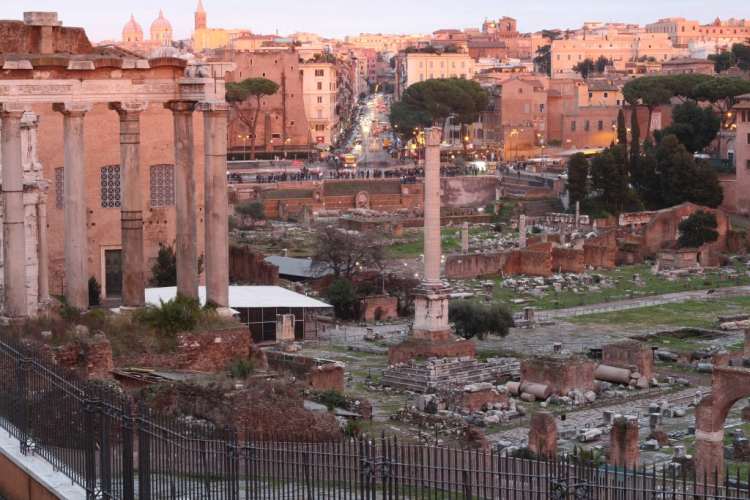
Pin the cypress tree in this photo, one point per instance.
(622, 132)
(635, 145)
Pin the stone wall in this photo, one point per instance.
(248, 267)
(90, 357)
(561, 374)
(601, 251)
(17, 37)
(629, 354)
(378, 308)
(319, 374)
(476, 400)
(568, 260)
(478, 191)
(212, 351)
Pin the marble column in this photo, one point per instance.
(522, 231)
(465, 238)
(216, 203)
(14, 233)
(432, 243)
(131, 211)
(186, 248)
(74, 204)
(43, 273)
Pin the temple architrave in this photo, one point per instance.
(105, 156)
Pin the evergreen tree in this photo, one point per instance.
(622, 131)
(609, 178)
(635, 145)
(578, 178)
(698, 229)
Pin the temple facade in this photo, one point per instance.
(130, 153)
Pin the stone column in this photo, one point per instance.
(131, 209)
(43, 274)
(578, 214)
(216, 203)
(432, 243)
(74, 202)
(14, 233)
(185, 204)
(543, 435)
(623, 445)
(522, 231)
(465, 238)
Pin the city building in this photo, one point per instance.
(160, 35)
(320, 94)
(417, 67)
(205, 38)
(618, 46)
(283, 126)
(717, 36)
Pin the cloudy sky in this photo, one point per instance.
(104, 19)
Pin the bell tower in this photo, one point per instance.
(200, 17)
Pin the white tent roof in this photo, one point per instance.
(243, 297)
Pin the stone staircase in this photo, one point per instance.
(425, 376)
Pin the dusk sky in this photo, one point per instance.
(104, 19)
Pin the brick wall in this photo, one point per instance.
(317, 373)
(247, 266)
(561, 374)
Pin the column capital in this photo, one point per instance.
(432, 136)
(181, 106)
(13, 108)
(213, 107)
(127, 107)
(29, 120)
(72, 108)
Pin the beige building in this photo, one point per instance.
(319, 91)
(205, 38)
(619, 46)
(717, 35)
(419, 66)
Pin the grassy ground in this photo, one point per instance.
(692, 313)
(412, 244)
(624, 288)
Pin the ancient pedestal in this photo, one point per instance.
(623, 445)
(543, 435)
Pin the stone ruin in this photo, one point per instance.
(543, 435)
(624, 448)
(435, 373)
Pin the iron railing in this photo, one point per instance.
(115, 450)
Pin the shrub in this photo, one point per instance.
(342, 296)
(241, 368)
(333, 399)
(252, 209)
(164, 270)
(95, 292)
(353, 428)
(175, 315)
(474, 319)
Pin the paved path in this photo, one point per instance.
(656, 300)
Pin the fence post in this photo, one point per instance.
(128, 474)
(90, 407)
(232, 464)
(144, 454)
(23, 366)
(466, 484)
(105, 452)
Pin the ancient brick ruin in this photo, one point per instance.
(543, 435)
(623, 444)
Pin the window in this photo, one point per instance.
(748, 165)
(275, 136)
(59, 187)
(541, 108)
(320, 100)
(320, 128)
(748, 138)
(586, 126)
(573, 126)
(606, 94)
(600, 125)
(320, 72)
(110, 186)
(320, 85)
(161, 184)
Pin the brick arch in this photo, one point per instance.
(728, 386)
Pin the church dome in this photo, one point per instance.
(132, 32)
(161, 30)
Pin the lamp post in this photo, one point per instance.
(244, 138)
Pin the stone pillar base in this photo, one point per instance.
(431, 310)
(421, 348)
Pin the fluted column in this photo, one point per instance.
(14, 237)
(74, 204)
(131, 211)
(185, 204)
(216, 203)
(432, 243)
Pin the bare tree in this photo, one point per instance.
(346, 252)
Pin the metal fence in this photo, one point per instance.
(114, 450)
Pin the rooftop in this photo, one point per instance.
(244, 297)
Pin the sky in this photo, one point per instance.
(104, 19)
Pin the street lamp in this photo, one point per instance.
(244, 138)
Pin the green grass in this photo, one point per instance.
(412, 244)
(624, 288)
(692, 313)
